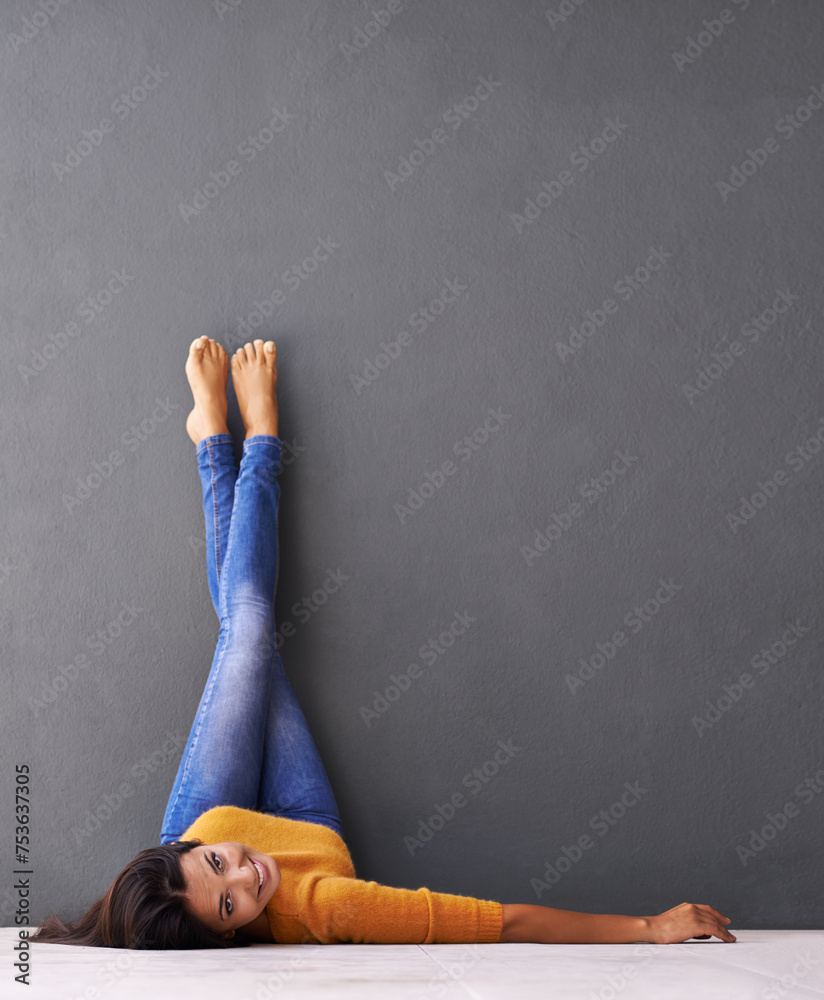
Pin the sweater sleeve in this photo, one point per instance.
(337, 909)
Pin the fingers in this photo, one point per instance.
(719, 915)
(689, 920)
(715, 921)
(721, 922)
(709, 909)
(718, 929)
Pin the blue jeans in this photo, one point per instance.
(250, 744)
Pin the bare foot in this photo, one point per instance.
(255, 376)
(207, 369)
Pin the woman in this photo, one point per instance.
(251, 846)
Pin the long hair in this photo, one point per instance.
(145, 907)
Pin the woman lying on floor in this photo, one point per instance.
(251, 846)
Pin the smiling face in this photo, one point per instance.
(223, 884)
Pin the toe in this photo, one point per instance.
(197, 345)
(259, 348)
(270, 350)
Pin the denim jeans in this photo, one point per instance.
(250, 744)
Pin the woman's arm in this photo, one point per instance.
(545, 925)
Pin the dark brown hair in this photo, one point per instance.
(145, 907)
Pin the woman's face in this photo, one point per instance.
(223, 884)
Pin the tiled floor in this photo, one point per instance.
(762, 965)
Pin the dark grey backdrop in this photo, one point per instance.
(675, 231)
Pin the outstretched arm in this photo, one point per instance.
(545, 925)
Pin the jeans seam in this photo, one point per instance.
(213, 468)
(277, 551)
(235, 497)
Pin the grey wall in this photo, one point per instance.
(571, 404)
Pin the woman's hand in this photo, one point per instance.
(688, 920)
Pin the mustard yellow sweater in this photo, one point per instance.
(321, 901)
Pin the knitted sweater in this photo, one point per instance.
(321, 901)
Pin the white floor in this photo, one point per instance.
(762, 965)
